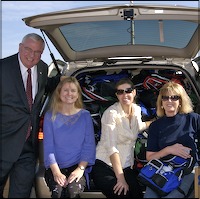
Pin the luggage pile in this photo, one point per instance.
(98, 91)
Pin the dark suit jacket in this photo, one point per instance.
(15, 113)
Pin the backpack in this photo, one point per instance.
(140, 151)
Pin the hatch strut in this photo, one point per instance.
(46, 95)
(51, 54)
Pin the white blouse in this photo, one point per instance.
(117, 135)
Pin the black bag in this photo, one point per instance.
(140, 150)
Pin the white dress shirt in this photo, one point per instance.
(33, 77)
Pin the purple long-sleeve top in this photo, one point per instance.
(69, 140)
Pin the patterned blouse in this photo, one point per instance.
(69, 139)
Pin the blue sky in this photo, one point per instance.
(13, 28)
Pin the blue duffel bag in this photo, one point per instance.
(165, 176)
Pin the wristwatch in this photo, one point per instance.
(81, 167)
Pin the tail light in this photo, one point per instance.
(40, 133)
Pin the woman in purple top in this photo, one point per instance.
(69, 142)
(174, 133)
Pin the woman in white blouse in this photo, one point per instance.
(121, 122)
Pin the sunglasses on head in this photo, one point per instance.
(121, 92)
(172, 98)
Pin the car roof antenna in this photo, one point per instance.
(51, 54)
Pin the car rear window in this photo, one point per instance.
(168, 33)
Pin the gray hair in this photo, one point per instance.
(35, 37)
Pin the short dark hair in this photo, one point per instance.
(124, 81)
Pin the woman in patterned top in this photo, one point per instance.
(69, 142)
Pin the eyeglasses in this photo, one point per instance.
(30, 51)
(121, 92)
(172, 98)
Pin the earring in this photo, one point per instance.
(162, 107)
(179, 105)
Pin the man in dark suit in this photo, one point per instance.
(19, 121)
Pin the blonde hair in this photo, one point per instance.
(56, 102)
(186, 105)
